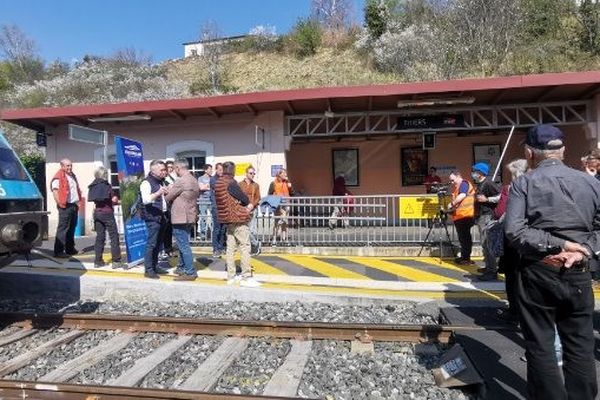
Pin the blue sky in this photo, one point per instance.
(69, 29)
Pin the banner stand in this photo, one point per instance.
(130, 165)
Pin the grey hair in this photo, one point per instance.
(539, 154)
(181, 163)
(517, 168)
(101, 173)
(156, 162)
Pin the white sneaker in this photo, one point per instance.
(250, 282)
(233, 281)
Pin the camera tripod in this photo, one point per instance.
(438, 222)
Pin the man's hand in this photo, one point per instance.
(250, 207)
(576, 247)
(482, 198)
(564, 259)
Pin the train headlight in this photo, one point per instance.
(16, 234)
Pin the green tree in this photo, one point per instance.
(376, 18)
(306, 37)
(589, 17)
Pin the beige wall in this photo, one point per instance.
(310, 164)
(231, 138)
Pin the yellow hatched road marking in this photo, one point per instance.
(261, 267)
(322, 267)
(403, 271)
(445, 264)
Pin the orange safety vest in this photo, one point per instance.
(466, 208)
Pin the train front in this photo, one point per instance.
(21, 205)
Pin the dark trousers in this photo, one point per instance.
(548, 296)
(168, 236)
(105, 223)
(65, 231)
(219, 233)
(156, 232)
(463, 230)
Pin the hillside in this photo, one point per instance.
(251, 72)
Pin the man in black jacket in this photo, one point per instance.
(487, 194)
(553, 220)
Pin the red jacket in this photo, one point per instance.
(63, 187)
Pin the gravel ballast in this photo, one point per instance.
(400, 313)
(66, 352)
(114, 365)
(181, 364)
(394, 371)
(12, 350)
(250, 372)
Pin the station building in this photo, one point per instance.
(373, 134)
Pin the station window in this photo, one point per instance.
(196, 160)
(113, 174)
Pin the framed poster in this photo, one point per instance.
(345, 163)
(414, 165)
(490, 154)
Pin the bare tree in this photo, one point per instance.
(212, 52)
(332, 15)
(129, 56)
(21, 54)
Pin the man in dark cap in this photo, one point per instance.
(553, 220)
(487, 194)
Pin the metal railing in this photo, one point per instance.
(335, 221)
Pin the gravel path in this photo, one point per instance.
(22, 346)
(250, 373)
(112, 367)
(393, 372)
(177, 368)
(68, 351)
(399, 313)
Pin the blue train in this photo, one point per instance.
(21, 205)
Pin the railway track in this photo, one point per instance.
(235, 336)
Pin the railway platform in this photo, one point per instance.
(422, 278)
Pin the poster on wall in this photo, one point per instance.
(414, 166)
(345, 163)
(490, 154)
(130, 165)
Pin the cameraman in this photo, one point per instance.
(462, 208)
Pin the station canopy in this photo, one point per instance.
(528, 89)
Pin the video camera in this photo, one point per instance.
(440, 189)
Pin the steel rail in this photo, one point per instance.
(13, 389)
(307, 330)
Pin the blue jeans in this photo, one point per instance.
(219, 233)
(156, 230)
(182, 236)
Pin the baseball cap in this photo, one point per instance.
(545, 137)
(481, 167)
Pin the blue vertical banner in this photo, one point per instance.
(130, 164)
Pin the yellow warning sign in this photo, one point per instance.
(240, 168)
(419, 207)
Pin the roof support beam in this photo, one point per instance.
(546, 94)
(498, 97)
(592, 91)
(213, 112)
(177, 114)
(369, 103)
(290, 108)
(251, 109)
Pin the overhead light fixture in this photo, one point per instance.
(427, 102)
(124, 118)
(329, 114)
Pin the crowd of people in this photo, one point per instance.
(542, 231)
(545, 228)
(173, 203)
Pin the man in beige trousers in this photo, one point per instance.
(233, 210)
